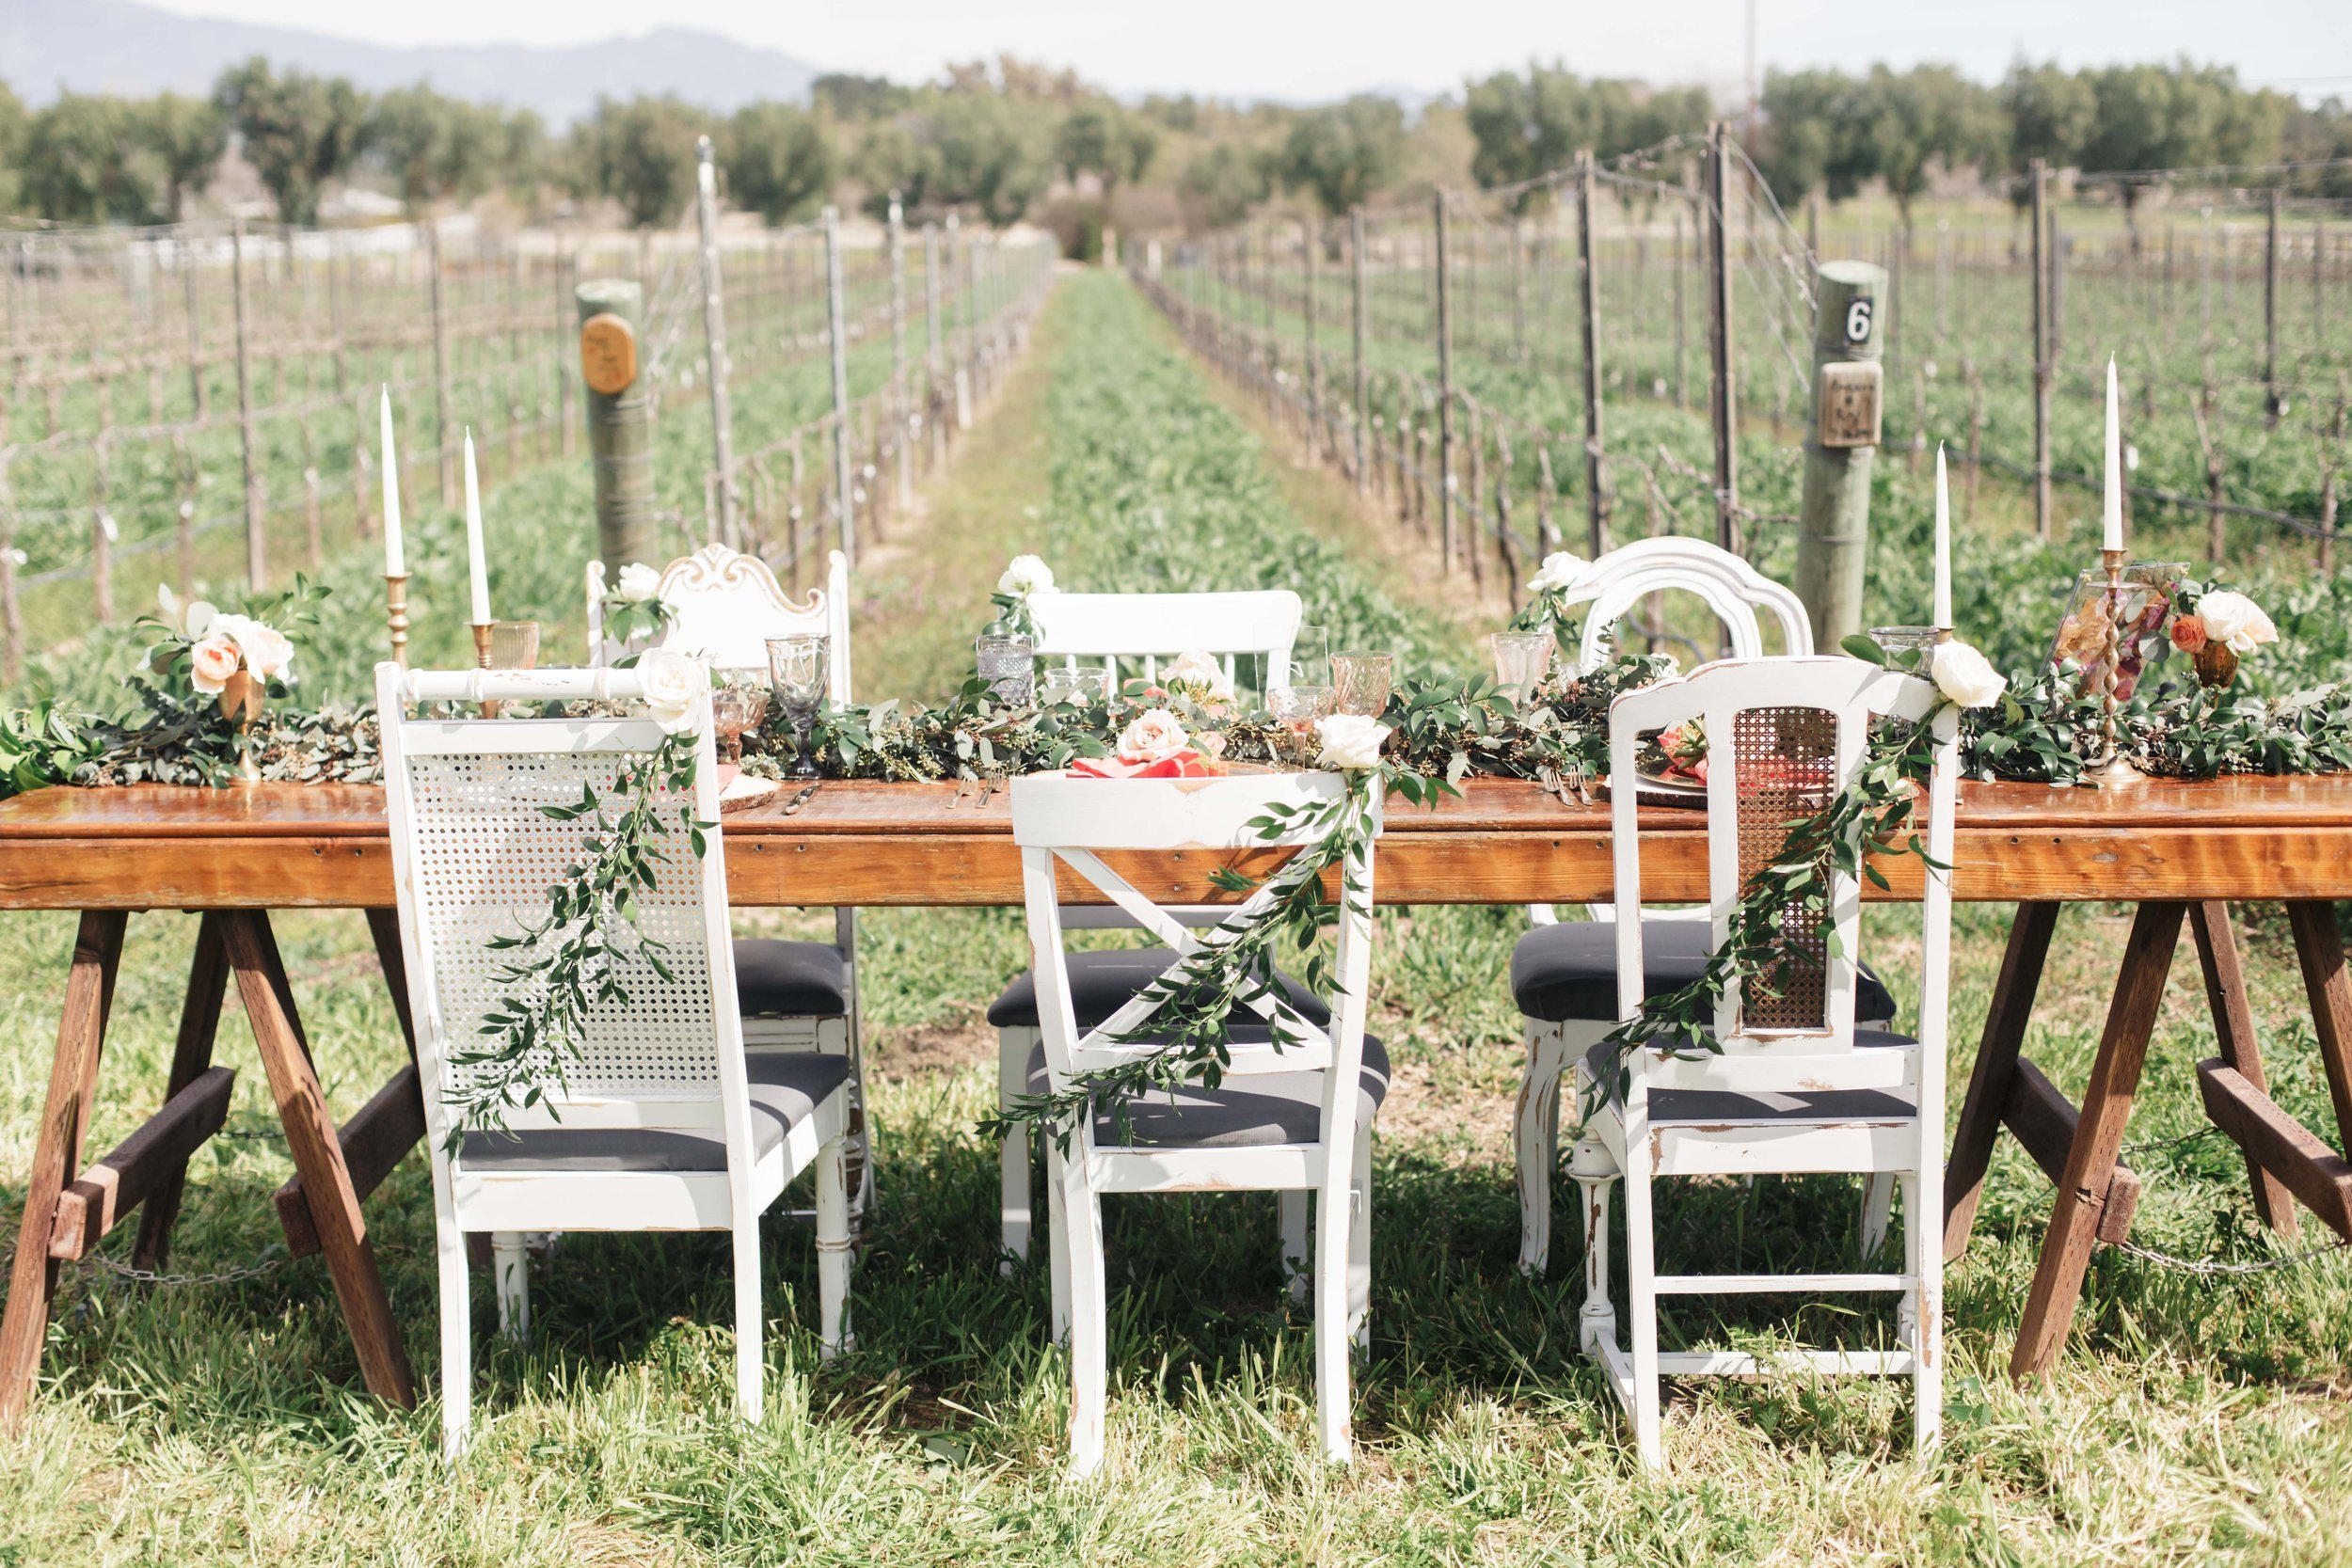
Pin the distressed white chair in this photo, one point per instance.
(1132, 632)
(1296, 1119)
(1564, 975)
(664, 1122)
(797, 995)
(1797, 1087)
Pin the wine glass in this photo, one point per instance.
(739, 703)
(1360, 682)
(1296, 708)
(798, 668)
(1311, 657)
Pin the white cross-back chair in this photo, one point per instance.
(1563, 976)
(1296, 1119)
(1134, 632)
(797, 995)
(1798, 1088)
(664, 1122)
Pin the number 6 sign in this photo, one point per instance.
(1858, 315)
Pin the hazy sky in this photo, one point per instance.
(1260, 49)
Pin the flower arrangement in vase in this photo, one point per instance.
(234, 658)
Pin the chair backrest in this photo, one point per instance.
(1728, 586)
(1070, 824)
(725, 606)
(1783, 735)
(1143, 628)
(473, 855)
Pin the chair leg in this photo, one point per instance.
(1595, 1175)
(1537, 1123)
(510, 1270)
(1012, 1081)
(1297, 1248)
(1640, 1276)
(1057, 1246)
(1080, 1228)
(1333, 1398)
(751, 1364)
(457, 1340)
(833, 1334)
(1359, 1244)
(1923, 1257)
(1878, 1210)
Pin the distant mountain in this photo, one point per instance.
(122, 47)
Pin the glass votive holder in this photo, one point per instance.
(1008, 665)
(514, 644)
(1074, 683)
(1522, 659)
(1360, 682)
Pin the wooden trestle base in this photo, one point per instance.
(2080, 1151)
(69, 1208)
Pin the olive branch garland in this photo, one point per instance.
(570, 962)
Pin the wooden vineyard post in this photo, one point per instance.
(566, 278)
(1840, 448)
(195, 332)
(1596, 493)
(1723, 408)
(446, 441)
(620, 419)
(844, 494)
(2040, 176)
(256, 533)
(900, 424)
(715, 341)
(935, 358)
(1445, 393)
(11, 612)
(2272, 405)
(1310, 236)
(1355, 333)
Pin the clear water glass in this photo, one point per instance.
(514, 644)
(1522, 659)
(799, 669)
(1084, 684)
(1311, 657)
(1360, 682)
(1008, 665)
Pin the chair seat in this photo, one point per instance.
(1244, 1111)
(790, 979)
(1105, 980)
(1569, 971)
(786, 1087)
(1809, 1105)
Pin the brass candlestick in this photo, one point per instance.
(482, 660)
(396, 614)
(2114, 770)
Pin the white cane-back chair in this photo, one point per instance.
(662, 1123)
(1563, 976)
(1296, 1120)
(1132, 632)
(1797, 1086)
(797, 995)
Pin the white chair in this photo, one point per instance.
(1797, 1087)
(797, 995)
(1141, 629)
(664, 1122)
(1298, 1120)
(1563, 976)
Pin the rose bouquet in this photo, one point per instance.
(1155, 745)
(633, 606)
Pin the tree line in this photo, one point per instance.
(1011, 140)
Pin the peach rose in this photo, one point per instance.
(216, 659)
(2188, 633)
(1155, 735)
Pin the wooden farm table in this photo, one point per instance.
(233, 855)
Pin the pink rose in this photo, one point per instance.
(216, 659)
(2188, 634)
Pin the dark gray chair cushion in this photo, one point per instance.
(790, 979)
(1103, 982)
(1569, 971)
(1257, 1108)
(786, 1086)
(1710, 1105)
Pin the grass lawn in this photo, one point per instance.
(2191, 1418)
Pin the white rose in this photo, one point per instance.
(640, 582)
(2235, 620)
(674, 685)
(1201, 677)
(1155, 735)
(267, 651)
(1350, 741)
(1027, 575)
(1560, 570)
(1967, 676)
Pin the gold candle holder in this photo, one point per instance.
(2113, 770)
(396, 615)
(481, 630)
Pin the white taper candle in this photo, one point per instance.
(476, 564)
(2112, 515)
(395, 560)
(1942, 614)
